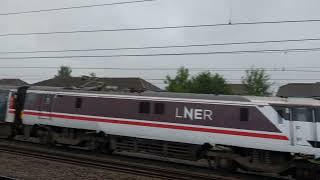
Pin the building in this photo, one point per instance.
(308, 90)
(95, 83)
(12, 82)
(238, 89)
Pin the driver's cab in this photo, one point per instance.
(304, 124)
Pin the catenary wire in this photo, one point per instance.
(162, 47)
(169, 54)
(276, 79)
(168, 69)
(162, 79)
(162, 27)
(73, 7)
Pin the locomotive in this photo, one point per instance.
(261, 134)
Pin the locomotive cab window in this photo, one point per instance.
(144, 107)
(158, 108)
(78, 103)
(283, 112)
(302, 114)
(244, 114)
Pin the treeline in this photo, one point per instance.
(256, 82)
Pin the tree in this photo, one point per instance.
(256, 82)
(93, 75)
(207, 83)
(64, 72)
(203, 83)
(180, 83)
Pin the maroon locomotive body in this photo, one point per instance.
(248, 132)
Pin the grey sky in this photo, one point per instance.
(154, 14)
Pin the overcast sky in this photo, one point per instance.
(155, 14)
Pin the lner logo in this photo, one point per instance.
(194, 114)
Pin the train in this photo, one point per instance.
(260, 134)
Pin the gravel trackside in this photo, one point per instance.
(28, 168)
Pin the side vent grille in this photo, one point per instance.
(155, 147)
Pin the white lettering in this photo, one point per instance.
(194, 114)
(198, 114)
(177, 113)
(207, 114)
(188, 113)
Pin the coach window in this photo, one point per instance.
(78, 103)
(31, 99)
(3, 105)
(317, 113)
(302, 114)
(244, 114)
(47, 99)
(144, 107)
(158, 108)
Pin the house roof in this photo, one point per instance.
(134, 84)
(238, 89)
(13, 82)
(299, 90)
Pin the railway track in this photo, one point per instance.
(6, 178)
(130, 165)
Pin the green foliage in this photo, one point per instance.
(180, 83)
(64, 72)
(207, 83)
(256, 82)
(203, 83)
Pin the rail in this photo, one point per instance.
(6, 178)
(130, 165)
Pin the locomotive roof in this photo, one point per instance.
(197, 96)
(150, 94)
(233, 98)
(285, 101)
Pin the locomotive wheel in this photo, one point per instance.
(305, 174)
(227, 164)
